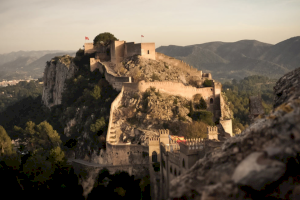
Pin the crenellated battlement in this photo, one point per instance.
(212, 132)
(212, 129)
(163, 132)
(192, 146)
(153, 140)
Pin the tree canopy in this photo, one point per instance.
(43, 140)
(238, 93)
(105, 37)
(5, 143)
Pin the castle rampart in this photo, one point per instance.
(114, 105)
(177, 89)
(122, 154)
(114, 80)
(132, 49)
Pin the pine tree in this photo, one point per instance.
(5, 143)
(203, 104)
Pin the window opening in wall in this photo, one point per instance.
(154, 156)
(179, 173)
(183, 163)
(211, 101)
(148, 52)
(175, 172)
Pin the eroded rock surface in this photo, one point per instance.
(262, 162)
(56, 72)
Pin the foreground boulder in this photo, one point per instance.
(260, 163)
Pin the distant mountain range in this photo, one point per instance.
(227, 60)
(25, 64)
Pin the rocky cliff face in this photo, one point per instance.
(56, 72)
(260, 163)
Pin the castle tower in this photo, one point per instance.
(154, 167)
(88, 48)
(164, 136)
(212, 132)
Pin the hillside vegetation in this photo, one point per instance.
(238, 93)
(48, 136)
(11, 94)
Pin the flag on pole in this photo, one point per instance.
(142, 36)
(87, 38)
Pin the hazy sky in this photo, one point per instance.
(63, 24)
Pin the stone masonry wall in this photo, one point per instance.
(148, 50)
(114, 105)
(114, 80)
(132, 49)
(171, 88)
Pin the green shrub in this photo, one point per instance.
(158, 94)
(99, 125)
(202, 104)
(204, 116)
(135, 96)
(155, 77)
(175, 101)
(181, 118)
(105, 37)
(208, 83)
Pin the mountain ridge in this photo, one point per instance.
(228, 60)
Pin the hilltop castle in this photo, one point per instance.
(118, 50)
(164, 157)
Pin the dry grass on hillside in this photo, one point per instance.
(164, 68)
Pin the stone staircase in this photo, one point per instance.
(115, 130)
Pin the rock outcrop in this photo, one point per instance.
(262, 162)
(56, 72)
(287, 88)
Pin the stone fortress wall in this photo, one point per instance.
(172, 88)
(114, 80)
(148, 50)
(132, 49)
(114, 106)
